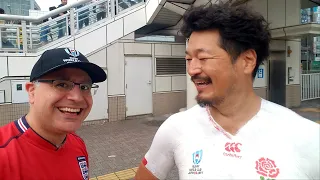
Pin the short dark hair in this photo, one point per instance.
(240, 29)
(2, 11)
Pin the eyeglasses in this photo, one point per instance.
(65, 86)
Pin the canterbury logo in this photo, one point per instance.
(233, 147)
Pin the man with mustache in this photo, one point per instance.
(232, 133)
(42, 144)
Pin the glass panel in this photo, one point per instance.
(310, 11)
(90, 13)
(125, 4)
(310, 54)
(9, 38)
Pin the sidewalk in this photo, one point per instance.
(117, 148)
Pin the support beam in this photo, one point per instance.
(174, 8)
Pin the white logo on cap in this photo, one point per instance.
(72, 52)
(73, 56)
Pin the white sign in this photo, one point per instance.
(260, 79)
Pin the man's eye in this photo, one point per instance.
(62, 85)
(85, 87)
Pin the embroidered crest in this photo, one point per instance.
(83, 167)
(267, 169)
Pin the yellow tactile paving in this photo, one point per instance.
(310, 110)
(120, 175)
(110, 176)
(125, 174)
(135, 169)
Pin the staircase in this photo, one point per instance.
(86, 27)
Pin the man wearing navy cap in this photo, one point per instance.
(42, 144)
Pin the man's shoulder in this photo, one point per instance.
(76, 140)
(8, 133)
(287, 121)
(281, 114)
(185, 119)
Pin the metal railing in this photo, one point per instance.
(310, 86)
(34, 33)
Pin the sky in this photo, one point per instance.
(45, 4)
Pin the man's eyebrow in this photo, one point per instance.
(200, 50)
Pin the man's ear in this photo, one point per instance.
(30, 88)
(250, 60)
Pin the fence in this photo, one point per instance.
(310, 86)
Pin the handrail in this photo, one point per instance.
(5, 78)
(45, 16)
(31, 37)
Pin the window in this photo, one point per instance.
(170, 66)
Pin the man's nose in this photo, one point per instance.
(75, 94)
(194, 67)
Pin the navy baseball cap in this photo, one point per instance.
(54, 59)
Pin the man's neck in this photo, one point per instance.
(55, 138)
(236, 110)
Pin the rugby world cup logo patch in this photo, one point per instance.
(72, 52)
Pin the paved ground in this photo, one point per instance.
(118, 146)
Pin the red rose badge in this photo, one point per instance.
(267, 168)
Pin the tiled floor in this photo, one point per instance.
(116, 148)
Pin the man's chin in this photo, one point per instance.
(203, 101)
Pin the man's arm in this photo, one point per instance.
(159, 160)
(144, 174)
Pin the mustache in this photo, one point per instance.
(203, 78)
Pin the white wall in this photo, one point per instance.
(92, 40)
(100, 103)
(294, 61)
(19, 95)
(21, 66)
(6, 86)
(115, 65)
(99, 58)
(2, 97)
(3, 67)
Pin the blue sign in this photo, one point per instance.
(260, 73)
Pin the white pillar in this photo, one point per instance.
(191, 89)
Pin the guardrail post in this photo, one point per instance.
(31, 40)
(72, 21)
(0, 38)
(24, 36)
(113, 8)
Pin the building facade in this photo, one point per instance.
(19, 7)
